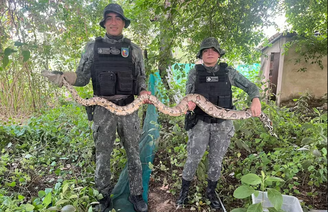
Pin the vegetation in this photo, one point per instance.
(47, 159)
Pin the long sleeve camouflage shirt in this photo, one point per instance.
(83, 70)
(236, 79)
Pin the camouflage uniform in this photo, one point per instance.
(215, 135)
(106, 124)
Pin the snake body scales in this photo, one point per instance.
(178, 110)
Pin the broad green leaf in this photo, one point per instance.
(17, 43)
(255, 208)
(239, 210)
(5, 61)
(12, 184)
(26, 55)
(74, 196)
(316, 153)
(53, 208)
(47, 200)
(271, 209)
(243, 191)
(8, 51)
(62, 201)
(307, 140)
(48, 190)
(274, 179)
(29, 207)
(251, 179)
(65, 187)
(20, 197)
(68, 208)
(275, 198)
(41, 194)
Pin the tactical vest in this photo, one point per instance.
(215, 87)
(113, 72)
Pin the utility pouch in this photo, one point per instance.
(190, 120)
(90, 110)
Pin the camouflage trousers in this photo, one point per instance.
(214, 135)
(104, 132)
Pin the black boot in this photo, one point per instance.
(184, 192)
(104, 204)
(211, 194)
(138, 203)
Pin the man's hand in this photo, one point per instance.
(146, 101)
(57, 77)
(256, 107)
(191, 105)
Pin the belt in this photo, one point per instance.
(123, 102)
(209, 119)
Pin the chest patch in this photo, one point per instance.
(111, 50)
(212, 79)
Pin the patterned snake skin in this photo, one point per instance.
(178, 110)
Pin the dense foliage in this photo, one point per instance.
(48, 162)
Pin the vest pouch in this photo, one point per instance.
(107, 83)
(190, 120)
(124, 82)
(224, 101)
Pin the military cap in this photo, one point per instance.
(115, 8)
(210, 42)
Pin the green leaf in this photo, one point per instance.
(47, 200)
(251, 179)
(29, 207)
(272, 209)
(20, 197)
(74, 196)
(48, 190)
(65, 187)
(17, 43)
(62, 201)
(274, 179)
(41, 194)
(275, 198)
(239, 210)
(53, 208)
(8, 51)
(255, 208)
(26, 55)
(5, 61)
(243, 191)
(324, 151)
(12, 184)
(68, 208)
(307, 140)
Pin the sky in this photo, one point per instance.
(280, 21)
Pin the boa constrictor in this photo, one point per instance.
(178, 110)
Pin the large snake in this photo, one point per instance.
(178, 110)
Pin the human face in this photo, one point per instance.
(114, 24)
(210, 57)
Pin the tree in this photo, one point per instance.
(309, 21)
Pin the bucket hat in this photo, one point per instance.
(115, 8)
